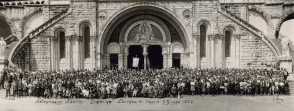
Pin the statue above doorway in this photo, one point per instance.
(145, 33)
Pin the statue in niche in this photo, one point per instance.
(144, 32)
(285, 46)
(3, 47)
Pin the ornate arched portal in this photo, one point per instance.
(138, 30)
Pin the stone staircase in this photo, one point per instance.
(24, 43)
(246, 25)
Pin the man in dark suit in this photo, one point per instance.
(286, 74)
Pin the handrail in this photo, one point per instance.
(251, 28)
(26, 40)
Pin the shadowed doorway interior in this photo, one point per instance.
(135, 51)
(155, 57)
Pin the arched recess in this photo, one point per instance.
(265, 16)
(177, 47)
(85, 34)
(113, 48)
(88, 22)
(151, 23)
(228, 32)
(135, 10)
(7, 21)
(285, 17)
(204, 29)
(59, 48)
(32, 15)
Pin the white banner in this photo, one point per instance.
(135, 62)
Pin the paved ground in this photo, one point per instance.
(188, 103)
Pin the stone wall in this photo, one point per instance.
(247, 50)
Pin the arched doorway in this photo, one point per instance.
(155, 57)
(125, 27)
(135, 51)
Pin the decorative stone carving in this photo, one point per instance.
(3, 46)
(187, 14)
(93, 38)
(285, 46)
(210, 37)
(145, 32)
(68, 37)
(196, 36)
(102, 15)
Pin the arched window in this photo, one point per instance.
(228, 37)
(86, 35)
(203, 32)
(61, 44)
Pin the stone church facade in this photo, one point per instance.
(95, 34)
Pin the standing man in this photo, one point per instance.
(286, 74)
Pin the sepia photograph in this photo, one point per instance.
(146, 55)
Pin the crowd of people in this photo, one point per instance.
(152, 83)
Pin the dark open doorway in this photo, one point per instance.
(176, 60)
(135, 51)
(155, 57)
(113, 61)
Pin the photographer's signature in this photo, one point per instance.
(277, 99)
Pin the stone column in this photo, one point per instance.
(68, 52)
(53, 39)
(218, 50)
(197, 51)
(92, 51)
(107, 60)
(164, 56)
(145, 54)
(126, 53)
(120, 61)
(223, 61)
(211, 57)
(76, 52)
(99, 63)
(169, 60)
(237, 58)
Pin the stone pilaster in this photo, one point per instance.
(92, 51)
(76, 52)
(68, 54)
(120, 61)
(54, 55)
(197, 50)
(164, 55)
(237, 47)
(211, 50)
(169, 60)
(218, 50)
(126, 53)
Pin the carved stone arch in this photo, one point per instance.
(230, 27)
(263, 13)
(138, 23)
(127, 12)
(160, 25)
(26, 17)
(10, 23)
(281, 20)
(88, 22)
(57, 28)
(177, 47)
(113, 47)
(206, 22)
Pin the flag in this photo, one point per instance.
(135, 62)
